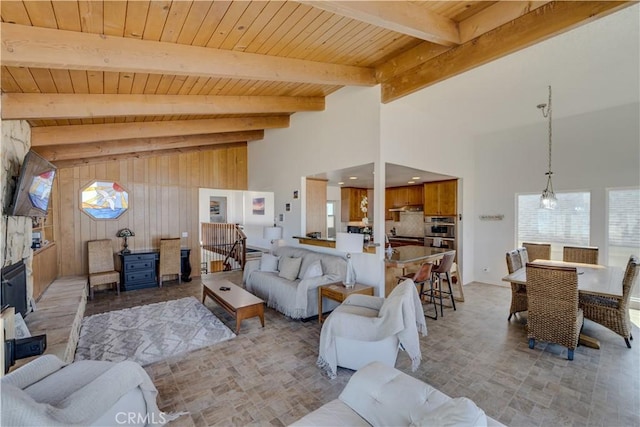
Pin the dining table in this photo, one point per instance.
(593, 279)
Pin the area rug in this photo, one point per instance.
(150, 333)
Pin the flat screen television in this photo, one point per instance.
(33, 190)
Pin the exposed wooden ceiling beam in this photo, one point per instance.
(140, 145)
(403, 17)
(547, 21)
(78, 134)
(27, 46)
(25, 106)
(494, 16)
(143, 154)
(408, 60)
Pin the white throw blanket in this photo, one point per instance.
(83, 406)
(401, 314)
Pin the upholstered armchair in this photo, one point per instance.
(364, 329)
(46, 391)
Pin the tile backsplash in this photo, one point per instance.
(410, 224)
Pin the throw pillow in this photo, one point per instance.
(314, 270)
(269, 262)
(459, 412)
(289, 268)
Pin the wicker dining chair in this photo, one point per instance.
(583, 254)
(538, 250)
(169, 259)
(101, 266)
(519, 300)
(613, 313)
(554, 315)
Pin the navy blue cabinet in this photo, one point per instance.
(139, 269)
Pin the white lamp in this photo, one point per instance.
(350, 243)
(272, 234)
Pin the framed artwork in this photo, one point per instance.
(104, 200)
(295, 194)
(281, 217)
(258, 206)
(218, 209)
(287, 207)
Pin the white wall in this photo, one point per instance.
(591, 152)
(240, 211)
(346, 134)
(480, 126)
(484, 127)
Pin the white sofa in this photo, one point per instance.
(46, 391)
(378, 395)
(297, 298)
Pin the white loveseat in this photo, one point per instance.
(378, 395)
(297, 297)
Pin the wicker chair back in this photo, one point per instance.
(583, 254)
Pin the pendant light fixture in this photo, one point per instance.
(548, 198)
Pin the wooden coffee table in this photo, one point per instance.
(236, 301)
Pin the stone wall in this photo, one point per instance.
(15, 230)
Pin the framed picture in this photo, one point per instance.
(281, 217)
(218, 209)
(258, 206)
(287, 207)
(295, 194)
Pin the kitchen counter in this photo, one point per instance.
(331, 243)
(406, 259)
(406, 255)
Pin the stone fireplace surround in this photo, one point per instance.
(15, 246)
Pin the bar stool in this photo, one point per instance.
(420, 277)
(443, 268)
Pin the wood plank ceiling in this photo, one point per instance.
(102, 80)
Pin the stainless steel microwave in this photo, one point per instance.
(440, 227)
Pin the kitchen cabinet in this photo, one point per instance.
(350, 204)
(440, 198)
(397, 197)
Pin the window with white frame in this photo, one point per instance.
(623, 225)
(567, 224)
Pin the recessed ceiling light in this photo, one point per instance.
(415, 177)
(341, 183)
(353, 177)
(411, 182)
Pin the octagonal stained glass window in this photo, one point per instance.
(104, 200)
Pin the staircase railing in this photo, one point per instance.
(223, 247)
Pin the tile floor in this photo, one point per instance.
(267, 376)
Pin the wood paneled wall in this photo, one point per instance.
(163, 201)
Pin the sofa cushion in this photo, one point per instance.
(385, 396)
(458, 412)
(269, 262)
(289, 267)
(333, 413)
(314, 270)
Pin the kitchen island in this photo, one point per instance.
(405, 259)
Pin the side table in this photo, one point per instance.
(338, 292)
